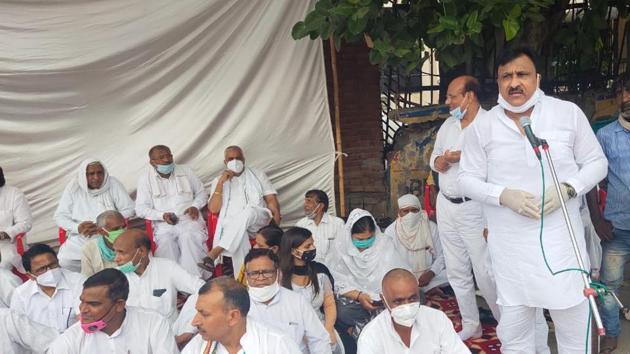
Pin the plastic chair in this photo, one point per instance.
(62, 236)
(20, 248)
(213, 221)
(149, 229)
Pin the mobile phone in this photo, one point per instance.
(377, 303)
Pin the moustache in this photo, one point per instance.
(515, 90)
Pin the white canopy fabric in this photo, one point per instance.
(110, 79)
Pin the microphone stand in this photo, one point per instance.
(589, 292)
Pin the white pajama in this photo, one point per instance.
(184, 243)
(15, 218)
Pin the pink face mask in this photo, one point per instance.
(92, 327)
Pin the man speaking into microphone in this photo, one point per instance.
(500, 169)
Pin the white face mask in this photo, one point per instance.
(265, 293)
(313, 213)
(411, 220)
(525, 106)
(235, 166)
(405, 315)
(51, 278)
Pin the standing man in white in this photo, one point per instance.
(245, 201)
(327, 229)
(500, 170)
(15, 218)
(460, 220)
(90, 193)
(170, 195)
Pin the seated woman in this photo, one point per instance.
(364, 256)
(313, 280)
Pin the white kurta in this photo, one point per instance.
(15, 218)
(157, 287)
(432, 332)
(58, 311)
(19, 335)
(91, 259)
(289, 313)
(76, 206)
(325, 235)
(497, 156)
(8, 283)
(435, 259)
(258, 339)
(142, 331)
(185, 242)
(243, 212)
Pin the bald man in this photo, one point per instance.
(460, 220)
(153, 281)
(246, 201)
(171, 195)
(406, 326)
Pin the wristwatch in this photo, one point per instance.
(570, 190)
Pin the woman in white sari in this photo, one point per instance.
(364, 256)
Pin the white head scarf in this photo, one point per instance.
(82, 178)
(413, 229)
(364, 271)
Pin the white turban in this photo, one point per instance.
(409, 200)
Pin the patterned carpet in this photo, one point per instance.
(488, 343)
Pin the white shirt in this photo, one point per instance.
(288, 312)
(496, 156)
(15, 214)
(158, 285)
(237, 198)
(77, 206)
(432, 332)
(58, 311)
(450, 137)
(436, 258)
(180, 191)
(8, 283)
(258, 339)
(142, 331)
(19, 335)
(330, 228)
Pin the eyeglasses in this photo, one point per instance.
(264, 274)
(44, 269)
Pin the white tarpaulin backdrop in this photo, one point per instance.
(109, 79)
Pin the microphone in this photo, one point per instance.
(533, 140)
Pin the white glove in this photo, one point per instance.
(552, 202)
(520, 202)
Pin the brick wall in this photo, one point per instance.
(361, 132)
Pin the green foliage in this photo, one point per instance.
(461, 31)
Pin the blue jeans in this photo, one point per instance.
(615, 255)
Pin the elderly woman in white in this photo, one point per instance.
(91, 192)
(364, 256)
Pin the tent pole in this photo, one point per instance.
(338, 146)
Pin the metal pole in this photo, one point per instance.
(588, 291)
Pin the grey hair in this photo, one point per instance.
(101, 219)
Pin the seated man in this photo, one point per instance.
(51, 296)
(90, 193)
(98, 253)
(324, 227)
(281, 308)
(153, 281)
(416, 238)
(18, 334)
(245, 201)
(108, 325)
(223, 326)
(171, 196)
(407, 326)
(15, 218)
(8, 283)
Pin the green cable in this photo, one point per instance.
(542, 218)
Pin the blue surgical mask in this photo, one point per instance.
(165, 169)
(367, 243)
(129, 267)
(458, 114)
(107, 253)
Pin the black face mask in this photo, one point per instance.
(308, 256)
(2, 181)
